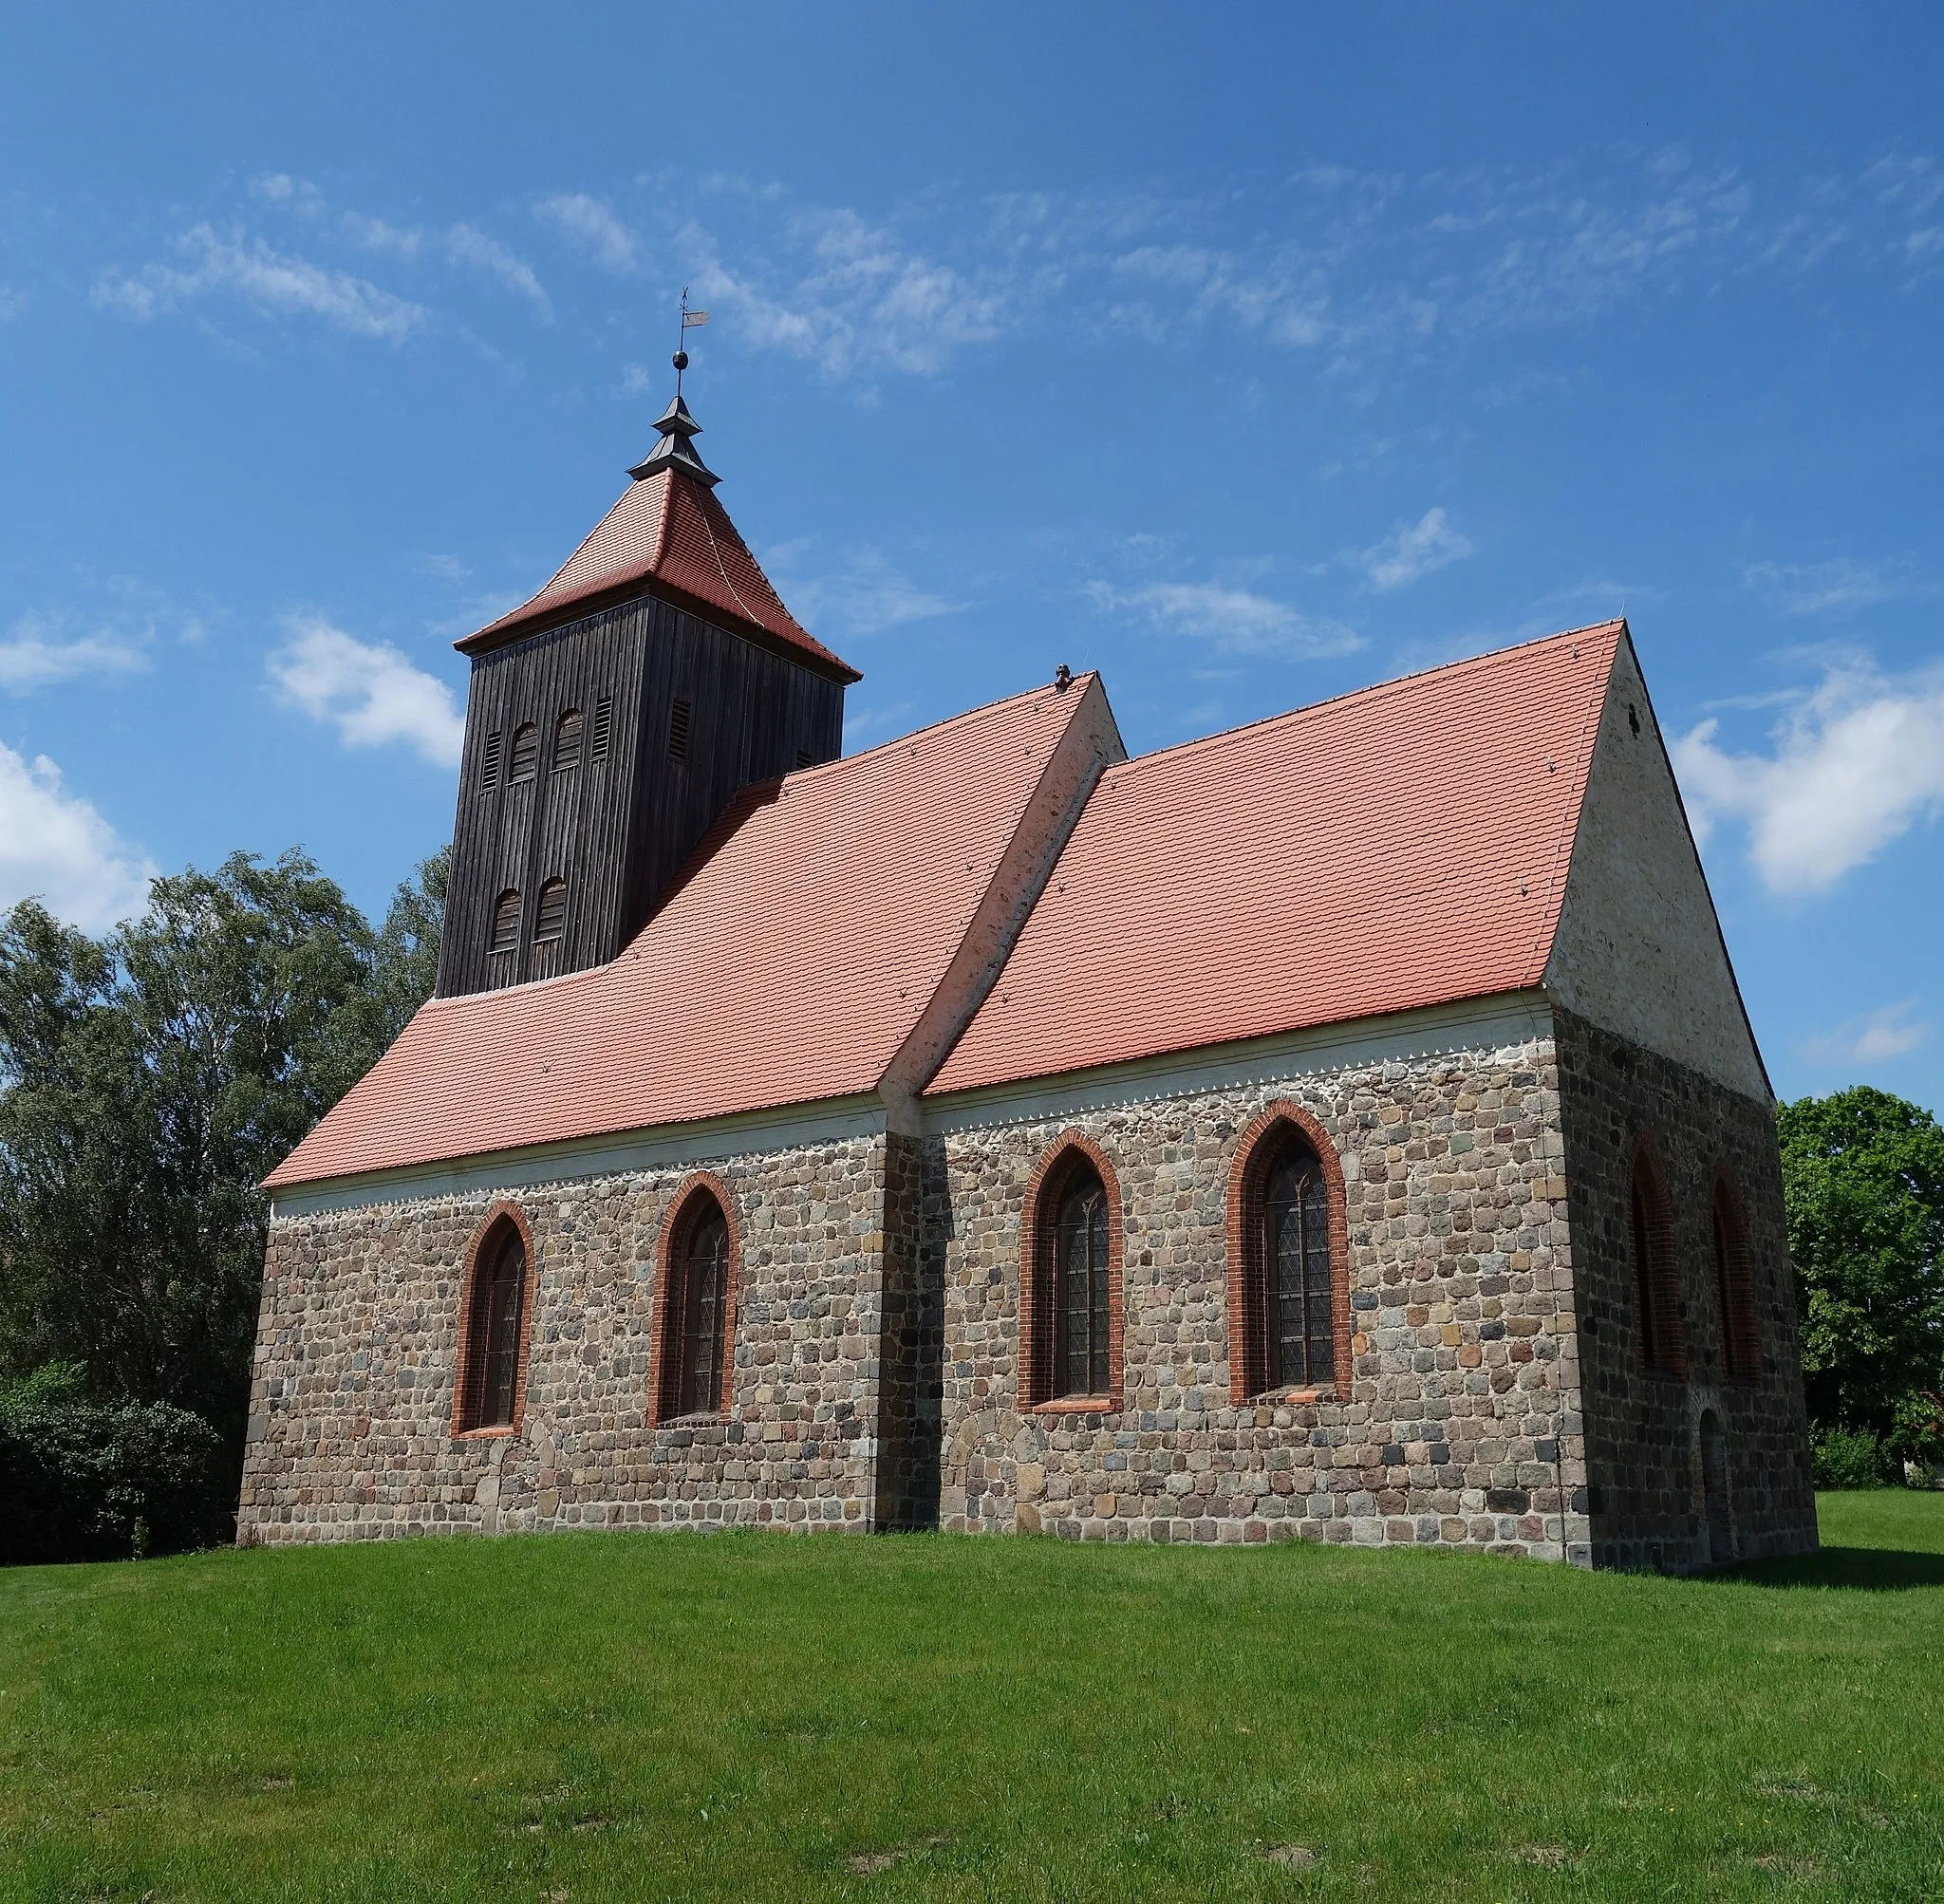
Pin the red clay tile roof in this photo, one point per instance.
(1403, 845)
(669, 535)
(812, 927)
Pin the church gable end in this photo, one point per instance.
(1638, 950)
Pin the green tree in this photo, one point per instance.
(147, 1084)
(1864, 1175)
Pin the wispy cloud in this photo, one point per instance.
(860, 594)
(1413, 550)
(468, 244)
(39, 653)
(592, 227)
(274, 282)
(56, 847)
(1835, 587)
(369, 690)
(1237, 621)
(1891, 1032)
(862, 299)
(1854, 765)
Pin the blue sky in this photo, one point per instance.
(1248, 354)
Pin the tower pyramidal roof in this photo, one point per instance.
(670, 539)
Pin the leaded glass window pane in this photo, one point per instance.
(1296, 1236)
(704, 1302)
(1080, 1287)
(501, 1301)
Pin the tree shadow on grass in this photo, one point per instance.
(1875, 1570)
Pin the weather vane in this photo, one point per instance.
(689, 320)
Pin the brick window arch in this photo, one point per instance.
(496, 1325)
(1656, 1274)
(697, 1269)
(1070, 1280)
(1734, 1282)
(1288, 1245)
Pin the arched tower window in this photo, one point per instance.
(526, 753)
(1656, 1284)
(697, 1325)
(1070, 1282)
(549, 920)
(506, 922)
(1734, 1286)
(566, 740)
(1289, 1269)
(493, 1331)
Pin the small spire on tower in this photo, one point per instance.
(676, 449)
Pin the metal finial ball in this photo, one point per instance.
(679, 360)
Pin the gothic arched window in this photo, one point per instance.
(566, 740)
(1288, 1276)
(526, 752)
(698, 1319)
(1080, 1292)
(494, 1329)
(1070, 1282)
(549, 920)
(1295, 1230)
(1656, 1284)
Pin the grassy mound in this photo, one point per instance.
(636, 1717)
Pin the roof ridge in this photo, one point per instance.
(1369, 690)
(948, 720)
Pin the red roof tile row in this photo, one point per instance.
(669, 534)
(1403, 845)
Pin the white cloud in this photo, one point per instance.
(272, 281)
(55, 848)
(1236, 620)
(36, 655)
(591, 227)
(13, 302)
(368, 689)
(1856, 763)
(1839, 585)
(468, 244)
(864, 595)
(1891, 1032)
(862, 299)
(1414, 549)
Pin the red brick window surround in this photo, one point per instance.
(697, 1269)
(1288, 1247)
(1734, 1283)
(1069, 1282)
(1656, 1274)
(496, 1326)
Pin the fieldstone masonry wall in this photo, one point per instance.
(875, 1374)
(1459, 1421)
(1643, 1432)
(352, 1405)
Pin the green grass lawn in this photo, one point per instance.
(622, 1716)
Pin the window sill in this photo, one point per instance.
(503, 1431)
(1293, 1398)
(720, 1419)
(1077, 1404)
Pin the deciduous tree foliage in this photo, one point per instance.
(1863, 1174)
(148, 1081)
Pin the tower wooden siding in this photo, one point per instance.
(617, 829)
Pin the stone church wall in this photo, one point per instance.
(352, 1405)
(1643, 1432)
(1459, 1425)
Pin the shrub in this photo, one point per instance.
(1844, 1458)
(89, 1481)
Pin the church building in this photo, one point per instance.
(1346, 1127)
